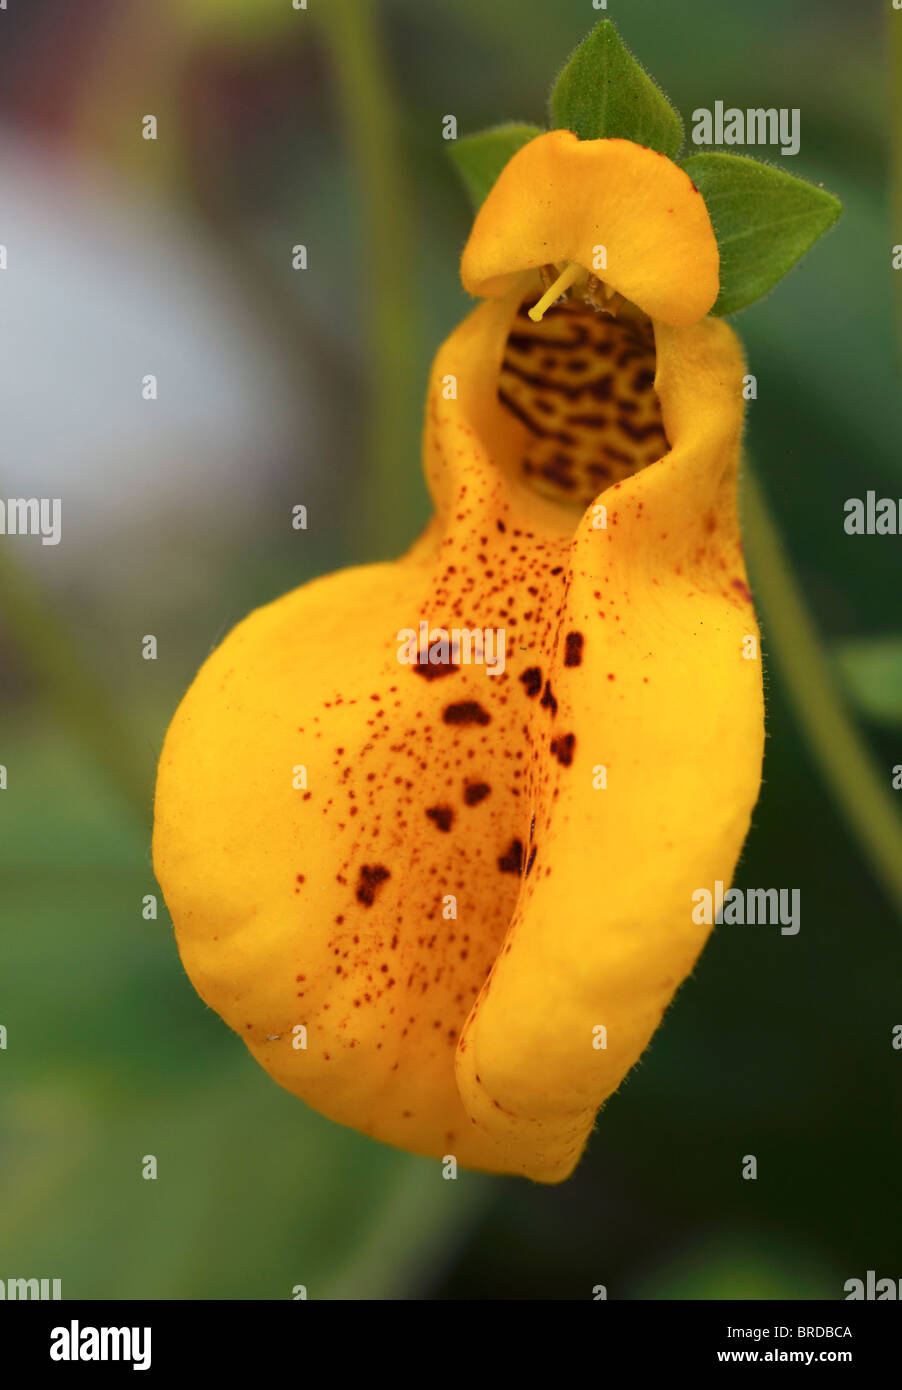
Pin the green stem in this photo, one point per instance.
(372, 133)
(417, 1231)
(80, 699)
(895, 50)
(860, 788)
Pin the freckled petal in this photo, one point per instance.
(330, 907)
(559, 198)
(662, 698)
(323, 907)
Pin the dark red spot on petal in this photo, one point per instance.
(432, 672)
(467, 712)
(532, 681)
(562, 748)
(573, 654)
(511, 861)
(371, 877)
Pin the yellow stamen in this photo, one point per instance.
(567, 277)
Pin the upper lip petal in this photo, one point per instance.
(560, 198)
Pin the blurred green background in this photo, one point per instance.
(323, 127)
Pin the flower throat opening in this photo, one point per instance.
(581, 381)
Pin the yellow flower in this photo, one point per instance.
(448, 904)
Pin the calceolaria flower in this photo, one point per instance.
(429, 831)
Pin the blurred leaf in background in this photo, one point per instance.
(872, 670)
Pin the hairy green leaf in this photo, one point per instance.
(764, 219)
(603, 92)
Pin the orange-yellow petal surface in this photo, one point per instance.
(560, 199)
(454, 901)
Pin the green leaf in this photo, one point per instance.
(871, 671)
(764, 219)
(603, 92)
(480, 158)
